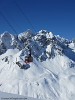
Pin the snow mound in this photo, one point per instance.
(4, 95)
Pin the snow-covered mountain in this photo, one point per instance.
(51, 75)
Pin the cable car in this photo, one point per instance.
(28, 58)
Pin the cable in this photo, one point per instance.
(24, 15)
(8, 22)
(11, 18)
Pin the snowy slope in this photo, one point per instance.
(9, 96)
(51, 75)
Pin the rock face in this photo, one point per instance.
(51, 75)
(8, 41)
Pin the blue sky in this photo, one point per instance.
(57, 16)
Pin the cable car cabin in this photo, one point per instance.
(28, 59)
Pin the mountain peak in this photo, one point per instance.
(6, 33)
(43, 31)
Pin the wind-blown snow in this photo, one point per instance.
(51, 75)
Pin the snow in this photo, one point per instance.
(51, 75)
(9, 96)
(49, 35)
